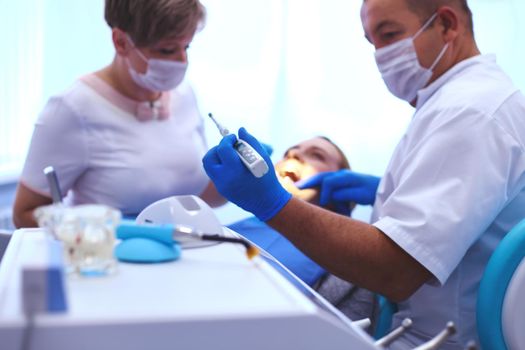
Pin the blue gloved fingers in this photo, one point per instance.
(314, 181)
(210, 161)
(211, 157)
(221, 156)
(226, 151)
(337, 181)
(343, 194)
(345, 178)
(342, 208)
(328, 186)
(359, 195)
(268, 148)
(355, 188)
(246, 136)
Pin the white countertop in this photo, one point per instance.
(214, 288)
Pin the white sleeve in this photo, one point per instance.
(59, 139)
(449, 188)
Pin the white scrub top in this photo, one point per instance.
(103, 153)
(453, 189)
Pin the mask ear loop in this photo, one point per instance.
(436, 62)
(141, 55)
(425, 26)
(443, 50)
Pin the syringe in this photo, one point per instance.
(251, 159)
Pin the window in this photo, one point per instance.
(46, 46)
(21, 66)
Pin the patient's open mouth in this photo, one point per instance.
(290, 174)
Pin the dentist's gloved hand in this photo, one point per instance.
(344, 187)
(267, 147)
(264, 196)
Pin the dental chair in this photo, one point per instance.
(387, 309)
(501, 295)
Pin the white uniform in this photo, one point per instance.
(453, 189)
(103, 153)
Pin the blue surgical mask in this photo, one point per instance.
(400, 68)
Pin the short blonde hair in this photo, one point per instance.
(149, 21)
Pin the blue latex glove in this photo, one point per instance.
(268, 148)
(343, 187)
(264, 196)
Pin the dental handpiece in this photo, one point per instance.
(249, 156)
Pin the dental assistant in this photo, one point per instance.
(453, 188)
(130, 133)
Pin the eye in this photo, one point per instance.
(390, 36)
(318, 156)
(167, 52)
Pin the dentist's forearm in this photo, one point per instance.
(351, 249)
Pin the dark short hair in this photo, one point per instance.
(426, 8)
(149, 21)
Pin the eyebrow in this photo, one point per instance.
(380, 26)
(310, 148)
(289, 149)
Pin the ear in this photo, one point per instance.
(120, 42)
(448, 18)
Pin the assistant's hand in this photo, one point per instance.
(344, 187)
(264, 196)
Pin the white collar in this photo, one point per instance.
(424, 94)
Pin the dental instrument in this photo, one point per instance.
(249, 156)
(54, 187)
(169, 234)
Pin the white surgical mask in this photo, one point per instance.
(400, 68)
(160, 75)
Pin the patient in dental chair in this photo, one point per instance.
(300, 162)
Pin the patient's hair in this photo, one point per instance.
(345, 164)
(149, 21)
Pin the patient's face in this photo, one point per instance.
(304, 160)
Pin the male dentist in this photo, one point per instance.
(454, 186)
